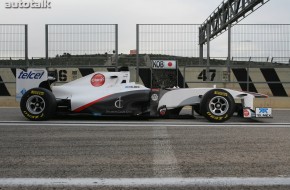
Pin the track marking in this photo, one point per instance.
(145, 124)
(145, 182)
(164, 160)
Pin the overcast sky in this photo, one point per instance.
(128, 13)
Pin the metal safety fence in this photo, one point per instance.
(261, 40)
(13, 42)
(265, 47)
(82, 43)
(166, 41)
(260, 44)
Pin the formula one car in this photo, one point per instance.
(112, 93)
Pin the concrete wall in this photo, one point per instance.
(279, 75)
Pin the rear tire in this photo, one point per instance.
(38, 104)
(217, 105)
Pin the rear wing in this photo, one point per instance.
(27, 79)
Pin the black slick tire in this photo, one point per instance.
(196, 108)
(38, 104)
(217, 105)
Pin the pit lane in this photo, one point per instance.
(173, 149)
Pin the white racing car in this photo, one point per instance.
(112, 93)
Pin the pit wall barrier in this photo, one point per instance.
(274, 82)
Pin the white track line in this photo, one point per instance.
(164, 160)
(145, 182)
(172, 122)
(153, 124)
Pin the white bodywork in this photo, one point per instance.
(82, 92)
(190, 96)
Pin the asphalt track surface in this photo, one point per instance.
(128, 153)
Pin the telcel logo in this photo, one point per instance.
(43, 4)
(30, 75)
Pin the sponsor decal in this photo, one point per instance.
(218, 118)
(246, 113)
(154, 97)
(164, 64)
(118, 111)
(132, 86)
(30, 75)
(220, 93)
(119, 103)
(28, 79)
(21, 93)
(42, 4)
(263, 112)
(37, 93)
(33, 116)
(98, 80)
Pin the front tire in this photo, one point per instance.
(38, 104)
(196, 108)
(217, 105)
